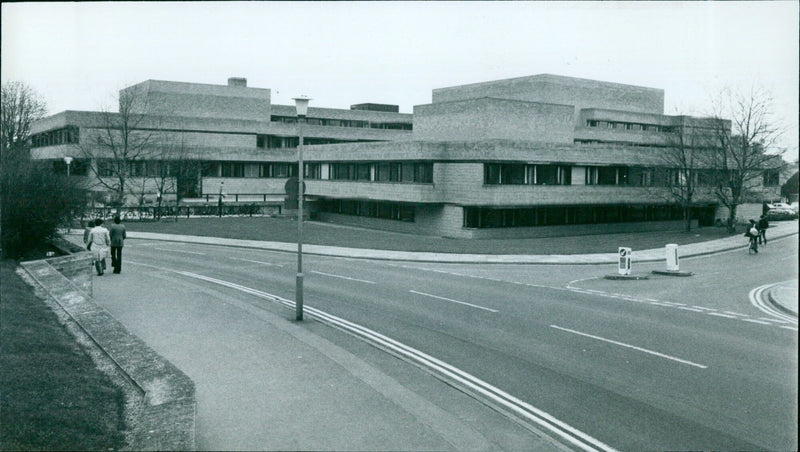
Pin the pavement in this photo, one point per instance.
(263, 382)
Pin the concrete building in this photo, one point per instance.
(524, 157)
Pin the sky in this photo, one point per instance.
(78, 55)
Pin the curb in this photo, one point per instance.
(777, 303)
(166, 419)
(644, 256)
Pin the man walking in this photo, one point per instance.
(763, 225)
(117, 232)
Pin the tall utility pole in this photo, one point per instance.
(301, 104)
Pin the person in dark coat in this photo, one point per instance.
(117, 233)
(88, 230)
(763, 225)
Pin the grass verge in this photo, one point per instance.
(316, 233)
(53, 396)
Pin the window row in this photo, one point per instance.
(488, 217)
(374, 209)
(137, 168)
(283, 142)
(344, 123)
(618, 125)
(523, 174)
(410, 172)
(77, 167)
(617, 143)
(636, 176)
(65, 135)
(249, 169)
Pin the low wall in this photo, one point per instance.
(77, 268)
(166, 419)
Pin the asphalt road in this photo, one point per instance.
(661, 364)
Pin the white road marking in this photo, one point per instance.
(735, 313)
(453, 301)
(256, 262)
(757, 300)
(439, 368)
(179, 251)
(622, 344)
(686, 308)
(344, 277)
(719, 314)
(788, 327)
(761, 322)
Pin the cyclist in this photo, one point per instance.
(751, 233)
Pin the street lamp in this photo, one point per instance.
(219, 201)
(301, 103)
(67, 160)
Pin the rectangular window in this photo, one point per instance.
(363, 171)
(513, 174)
(423, 173)
(407, 172)
(251, 169)
(772, 178)
(232, 169)
(491, 174)
(607, 175)
(547, 175)
(383, 170)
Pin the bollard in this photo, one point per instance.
(672, 257)
(624, 261)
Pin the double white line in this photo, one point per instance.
(442, 370)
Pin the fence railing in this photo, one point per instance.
(152, 213)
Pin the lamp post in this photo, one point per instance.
(301, 103)
(67, 160)
(219, 201)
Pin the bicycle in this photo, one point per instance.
(753, 246)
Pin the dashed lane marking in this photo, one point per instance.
(453, 301)
(633, 347)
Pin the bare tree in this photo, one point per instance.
(21, 106)
(743, 148)
(176, 169)
(122, 140)
(683, 158)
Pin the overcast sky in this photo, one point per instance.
(77, 55)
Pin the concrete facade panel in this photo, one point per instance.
(487, 118)
(548, 88)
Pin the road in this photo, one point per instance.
(660, 364)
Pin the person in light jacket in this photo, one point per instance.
(100, 241)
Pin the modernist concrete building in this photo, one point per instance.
(531, 156)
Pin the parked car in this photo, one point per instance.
(779, 205)
(781, 214)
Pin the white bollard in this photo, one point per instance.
(672, 257)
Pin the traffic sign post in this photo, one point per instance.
(624, 261)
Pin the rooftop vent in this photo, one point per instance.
(237, 81)
(376, 107)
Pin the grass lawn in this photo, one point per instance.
(315, 233)
(53, 396)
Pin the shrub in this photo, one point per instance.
(35, 202)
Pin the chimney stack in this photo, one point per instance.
(237, 81)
